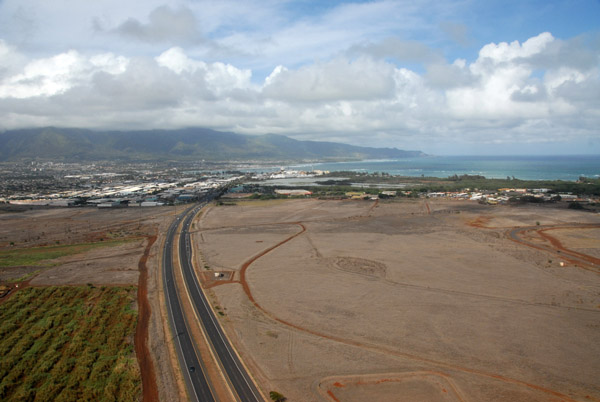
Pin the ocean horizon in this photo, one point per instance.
(535, 167)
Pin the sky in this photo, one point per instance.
(458, 77)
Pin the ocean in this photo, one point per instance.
(521, 167)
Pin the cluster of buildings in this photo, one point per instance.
(144, 184)
(500, 196)
(505, 195)
(142, 187)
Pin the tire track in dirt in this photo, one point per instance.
(427, 207)
(290, 356)
(376, 379)
(149, 386)
(373, 347)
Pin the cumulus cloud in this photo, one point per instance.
(507, 88)
(55, 75)
(510, 92)
(505, 52)
(444, 76)
(534, 92)
(338, 79)
(221, 78)
(576, 53)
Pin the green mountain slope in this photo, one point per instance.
(62, 144)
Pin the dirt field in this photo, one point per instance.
(354, 301)
(408, 300)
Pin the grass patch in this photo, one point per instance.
(69, 343)
(43, 256)
(28, 276)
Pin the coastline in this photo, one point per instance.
(534, 167)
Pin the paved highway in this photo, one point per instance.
(239, 379)
(197, 383)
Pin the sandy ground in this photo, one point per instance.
(407, 301)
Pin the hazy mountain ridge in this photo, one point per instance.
(72, 144)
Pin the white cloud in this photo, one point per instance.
(57, 74)
(336, 80)
(445, 76)
(504, 52)
(503, 96)
(221, 78)
(506, 87)
(176, 60)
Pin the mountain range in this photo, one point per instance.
(78, 145)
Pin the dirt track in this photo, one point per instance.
(578, 259)
(149, 387)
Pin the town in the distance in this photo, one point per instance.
(116, 185)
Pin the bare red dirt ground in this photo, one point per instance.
(149, 388)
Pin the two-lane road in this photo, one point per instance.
(199, 388)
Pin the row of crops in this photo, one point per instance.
(68, 344)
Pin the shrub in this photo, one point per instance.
(575, 205)
(277, 397)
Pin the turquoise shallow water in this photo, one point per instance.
(521, 167)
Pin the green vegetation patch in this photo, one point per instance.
(43, 256)
(69, 344)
